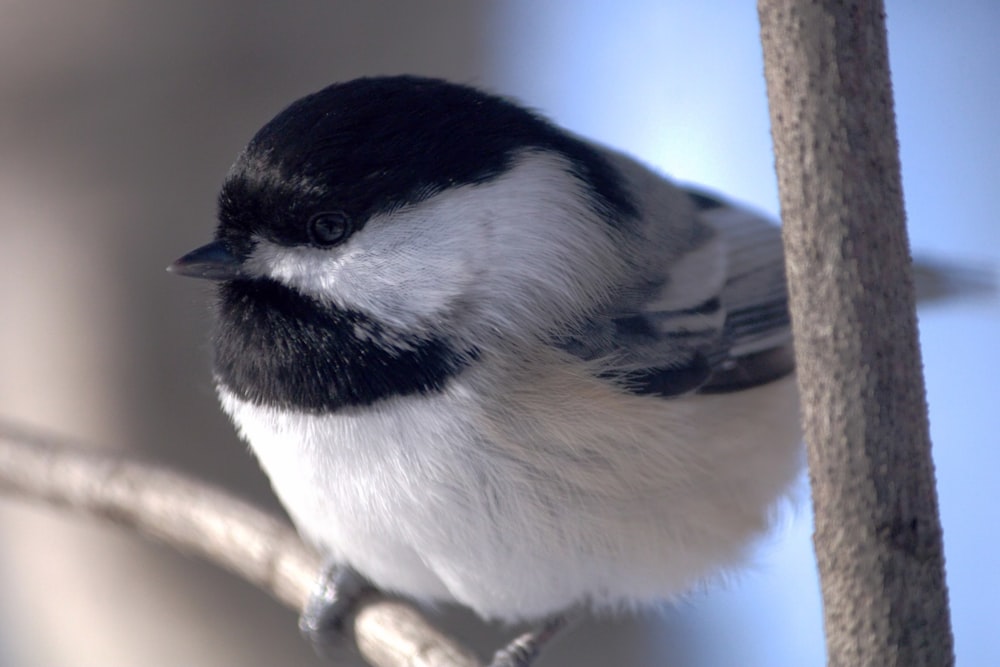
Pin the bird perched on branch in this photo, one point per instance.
(489, 362)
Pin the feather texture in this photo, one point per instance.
(534, 374)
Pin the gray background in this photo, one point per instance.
(118, 121)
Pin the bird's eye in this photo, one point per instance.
(329, 228)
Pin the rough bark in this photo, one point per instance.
(878, 537)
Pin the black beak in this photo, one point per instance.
(211, 262)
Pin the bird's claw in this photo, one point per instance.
(524, 649)
(333, 599)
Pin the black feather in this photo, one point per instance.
(276, 347)
(372, 145)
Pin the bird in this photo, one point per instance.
(486, 361)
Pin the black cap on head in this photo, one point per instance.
(373, 144)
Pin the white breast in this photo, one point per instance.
(521, 503)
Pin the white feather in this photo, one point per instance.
(517, 254)
(527, 485)
(563, 490)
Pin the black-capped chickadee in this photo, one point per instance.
(486, 361)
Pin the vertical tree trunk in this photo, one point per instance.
(878, 535)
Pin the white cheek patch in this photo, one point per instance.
(401, 269)
(525, 250)
(312, 271)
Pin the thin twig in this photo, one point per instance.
(197, 518)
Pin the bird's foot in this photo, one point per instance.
(333, 599)
(524, 649)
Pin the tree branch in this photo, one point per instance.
(197, 518)
(878, 536)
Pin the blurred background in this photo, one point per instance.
(118, 121)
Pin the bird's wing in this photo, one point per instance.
(716, 322)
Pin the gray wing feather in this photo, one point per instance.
(755, 294)
(680, 334)
(756, 334)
